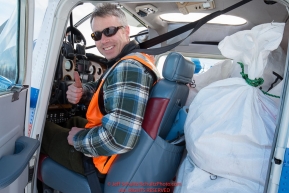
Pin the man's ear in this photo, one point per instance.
(127, 30)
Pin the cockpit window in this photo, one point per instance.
(9, 28)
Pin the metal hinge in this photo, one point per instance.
(16, 89)
(8, 85)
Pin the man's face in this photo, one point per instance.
(110, 47)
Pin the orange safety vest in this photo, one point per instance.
(94, 114)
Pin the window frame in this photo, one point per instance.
(21, 43)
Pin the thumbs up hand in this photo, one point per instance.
(77, 82)
(74, 92)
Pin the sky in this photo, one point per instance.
(7, 8)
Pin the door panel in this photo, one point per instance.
(12, 121)
(16, 39)
(15, 149)
(17, 186)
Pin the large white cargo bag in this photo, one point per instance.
(230, 124)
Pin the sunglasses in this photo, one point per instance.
(108, 32)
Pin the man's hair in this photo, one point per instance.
(108, 9)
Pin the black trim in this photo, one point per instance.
(95, 58)
(139, 34)
(101, 101)
(76, 32)
(278, 77)
(71, 26)
(206, 43)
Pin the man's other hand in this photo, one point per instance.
(74, 92)
(72, 133)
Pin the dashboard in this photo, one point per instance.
(72, 57)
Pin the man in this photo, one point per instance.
(118, 101)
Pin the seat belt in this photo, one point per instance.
(89, 168)
(91, 174)
(193, 25)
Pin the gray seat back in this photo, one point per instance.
(154, 159)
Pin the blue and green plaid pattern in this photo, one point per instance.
(126, 92)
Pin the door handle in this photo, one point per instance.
(11, 166)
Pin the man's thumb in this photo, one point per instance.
(77, 82)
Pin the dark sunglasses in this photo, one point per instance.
(108, 32)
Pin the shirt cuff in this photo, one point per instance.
(78, 140)
(81, 143)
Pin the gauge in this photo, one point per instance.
(67, 78)
(99, 71)
(68, 65)
(91, 69)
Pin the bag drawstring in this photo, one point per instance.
(256, 82)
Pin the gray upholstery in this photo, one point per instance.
(177, 72)
(177, 68)
(62, 179)
(156, 160)
(152, 160)
(177, 93)
(13, 165)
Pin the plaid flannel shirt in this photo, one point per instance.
(126, 92)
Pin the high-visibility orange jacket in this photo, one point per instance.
(94, 114)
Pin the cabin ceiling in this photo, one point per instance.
(255, 12)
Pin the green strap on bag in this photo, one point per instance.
(256, 82)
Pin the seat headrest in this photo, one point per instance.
(177, 68)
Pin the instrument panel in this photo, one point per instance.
(59, 109)
(89, 71)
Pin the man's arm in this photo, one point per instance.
(89, 89)
(126, 92)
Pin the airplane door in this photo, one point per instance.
(16, 40)
(278, 171)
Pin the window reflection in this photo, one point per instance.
(8, 37)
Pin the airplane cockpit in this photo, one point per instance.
(197, 45)
(216, 117)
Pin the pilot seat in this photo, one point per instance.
(154, 161)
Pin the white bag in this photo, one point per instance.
(227, 69)
(219, 71)
(230, 124)
(275, 63)
(195, 180)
